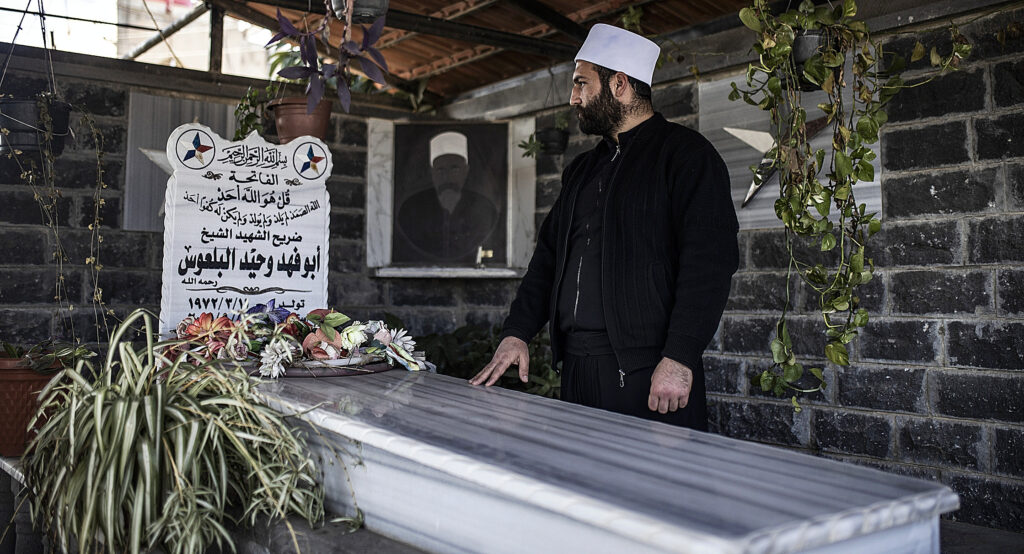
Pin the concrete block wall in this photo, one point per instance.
(131, 260)
(27, 270)
(935, 387)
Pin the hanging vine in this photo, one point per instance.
(817, 199)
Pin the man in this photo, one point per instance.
(445, 222)
(633, 263)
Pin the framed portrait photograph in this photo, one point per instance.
(449, 198)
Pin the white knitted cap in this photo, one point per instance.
(449, 142)
(620, 50)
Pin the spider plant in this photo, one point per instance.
(161, 453)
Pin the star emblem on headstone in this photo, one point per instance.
(198, 148)
(311, 161)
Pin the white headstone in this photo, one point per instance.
(246, 222)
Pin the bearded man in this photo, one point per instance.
(634, 261)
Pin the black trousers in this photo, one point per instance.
(591, 377)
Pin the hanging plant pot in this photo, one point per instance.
(552, 140)
(22, 119)
(292, 120)
(806, 44)
(19, 395)
(363, 11)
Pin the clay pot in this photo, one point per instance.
(292, 120)
(19, 397)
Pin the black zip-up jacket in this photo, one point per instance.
(668, 248)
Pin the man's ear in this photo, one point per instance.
(620, 86)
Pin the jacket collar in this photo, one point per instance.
(624, 138)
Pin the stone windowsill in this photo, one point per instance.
(451, 272)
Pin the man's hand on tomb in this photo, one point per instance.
(511, 351)
(670, 386)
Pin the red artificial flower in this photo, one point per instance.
(205, 328)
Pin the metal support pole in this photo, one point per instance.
(166, 32)
(216, 39)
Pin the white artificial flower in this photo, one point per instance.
(403, 339)
(237, 349)
(183, 326)
(353, 335)
(275, 354)
(332, 352)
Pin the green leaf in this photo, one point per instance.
(849, 8)
(860, 319)
(779, 353)
(843, 192)
(828, 242)
(796, 405)
(749, 18)
(334, 319)
(816, 371)
(936, 59)
(837, 354)
(865, 171)
(775, 86)
(874, 227)
(831, 58)
(823, 208)
(857, 262)
(767, 379)
(328, 331)
(735, 94)
(792, 373)
(919, 52)
(815, 71)
(868, 129)
(844, 167)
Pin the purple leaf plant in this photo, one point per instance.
(368, 59)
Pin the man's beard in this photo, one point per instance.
(448, 195)
(603, 115)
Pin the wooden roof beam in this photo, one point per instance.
(553, 18)
(471, 34)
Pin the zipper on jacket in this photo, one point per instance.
(622, 379)
(612, 335)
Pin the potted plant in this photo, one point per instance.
(23, 373)
(251, 111)
(817, 201)
(34, 124)
(553, 140)
(297, 116)
(161, 453)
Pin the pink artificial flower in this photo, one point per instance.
(316, 345)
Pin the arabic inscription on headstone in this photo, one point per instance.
(246, 222)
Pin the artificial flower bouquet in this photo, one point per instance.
(276, 338)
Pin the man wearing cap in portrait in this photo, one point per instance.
(634, 261)
(445, 222)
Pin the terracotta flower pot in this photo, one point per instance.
(292, 120)
(19, 397)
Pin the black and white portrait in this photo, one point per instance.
(450, 194)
